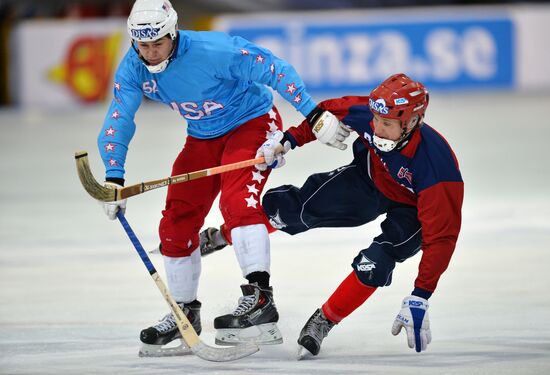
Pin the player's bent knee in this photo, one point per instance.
(374, 267)
(282, 206)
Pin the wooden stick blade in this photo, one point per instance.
(89, 182)
(188, 333)
(192, 340)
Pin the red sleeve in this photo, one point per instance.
(439, 212)
(338, 107)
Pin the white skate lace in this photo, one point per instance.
(245, 304)
(166, 324)
(318, 327)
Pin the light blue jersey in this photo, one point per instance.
(217, 82)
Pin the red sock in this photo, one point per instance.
(349, 295)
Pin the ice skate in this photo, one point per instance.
(313, 333)
(156, 340)
(255, 319)
(211, 240)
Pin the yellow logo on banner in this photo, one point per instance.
(88, 66)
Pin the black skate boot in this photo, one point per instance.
(313, 333)
(255, 319)
(211, 239)
(166, 330)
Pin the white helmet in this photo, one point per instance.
(151, 20)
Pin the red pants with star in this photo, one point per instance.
(188, 203)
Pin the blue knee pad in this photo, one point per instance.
(373, 266)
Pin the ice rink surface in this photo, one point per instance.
(74, 294)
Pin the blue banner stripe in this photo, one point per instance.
(476, 53)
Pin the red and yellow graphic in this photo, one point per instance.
(88, 66)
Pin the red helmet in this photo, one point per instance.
(400, 98)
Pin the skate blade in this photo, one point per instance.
(263, 334)
(303, 353)
(147, 350)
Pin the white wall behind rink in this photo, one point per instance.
(533, 56)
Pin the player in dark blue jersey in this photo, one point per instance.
(402, 168)
(218, 84)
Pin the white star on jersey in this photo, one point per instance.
(291, 88)
(272, 126)
(252, 189)
(251, 201)
(110, 131)
(272, 114)
(257, 176)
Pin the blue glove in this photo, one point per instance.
(414, 317)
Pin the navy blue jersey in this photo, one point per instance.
(424, 173)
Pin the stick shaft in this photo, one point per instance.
(188, 333)
(143, 187)
(108, 194)
(137, 245)
(186, 329)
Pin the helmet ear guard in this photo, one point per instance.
(416, 120)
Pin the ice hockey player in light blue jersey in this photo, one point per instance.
(218, 83)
